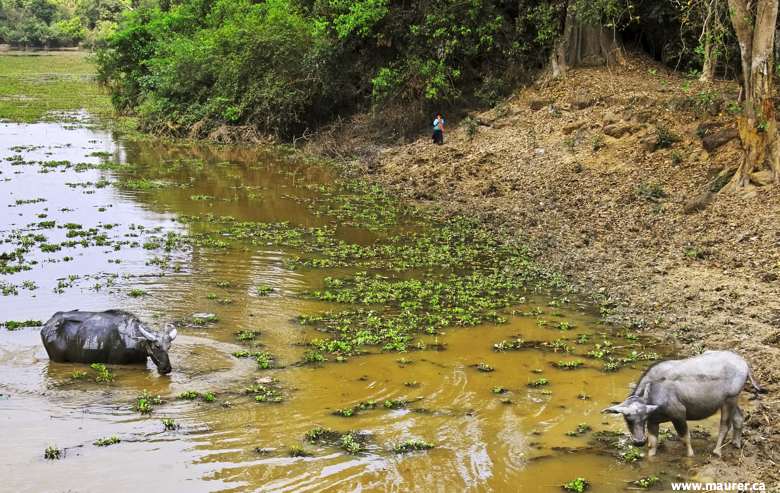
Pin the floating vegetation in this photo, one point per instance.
(646, 482)
(352, 443)
(319, 434)
(512, 345)
(578, 485)
(188, 395)
(169, 424)
(485, 368)
(633, 454)
(208, 397)
(103, 373)
(499, 390)
(136, 293)
(395, 403)
(581, 429)
(264, 290)
(105, 442)
(298, 451)
(20, 324)
(412, 445)
(268, 393)
(145, 402)
(52, 453)
(247, 335)
(78, 375)
(539, 382)
(568, 365)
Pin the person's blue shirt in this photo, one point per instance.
(437, 122)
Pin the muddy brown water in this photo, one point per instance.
(483, 441)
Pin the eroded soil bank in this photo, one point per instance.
(609, 175)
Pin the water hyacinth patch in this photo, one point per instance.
(412, 445)
(105, 442)
(578, 485)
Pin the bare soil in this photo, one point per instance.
(605, 174)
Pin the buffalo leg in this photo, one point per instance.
(652, 438)
(726, 413)
(681, 426)
(736, 426)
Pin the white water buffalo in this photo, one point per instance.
(112, 336)
(687, 389)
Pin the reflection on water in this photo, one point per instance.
(491, 431)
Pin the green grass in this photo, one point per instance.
(33, 85)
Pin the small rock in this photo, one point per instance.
(537, 104)
(618, 130)
(717, 139)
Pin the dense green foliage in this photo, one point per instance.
(286, 66)
(55, 23)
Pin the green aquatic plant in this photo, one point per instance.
(105, 442)
(52, 453)
(137, 292)
(313, 357)
(103, 373)
(646, 482)
(499, 390)
(351, 442)
(568, 365)
(264, 290)
(512, 345)
(145, 402)
(319, 434)
(581, 429)
(20, 324)
(485, 368)
(78, 375)
(412, 445)
(298, 451)
(247, 335)
(578, 485)
(169, 424)
(395, 403)
(539, 382)
(632, 454)
(208, 397)
(188, 395)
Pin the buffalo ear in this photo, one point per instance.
(613, 410)
(172, 332)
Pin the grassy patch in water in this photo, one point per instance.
(52, 453)
(578, 485)
(33, 86)
(104, 375)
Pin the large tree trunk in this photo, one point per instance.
(757, 126)
(582, 43)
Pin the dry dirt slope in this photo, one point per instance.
(605, 174)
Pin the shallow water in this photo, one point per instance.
(484, 441)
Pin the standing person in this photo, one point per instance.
(438, 129)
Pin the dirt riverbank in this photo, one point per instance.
(609, 176)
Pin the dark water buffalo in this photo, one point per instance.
(687, 389)
(112, 336)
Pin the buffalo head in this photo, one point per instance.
(157, 346)
(635, 411)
